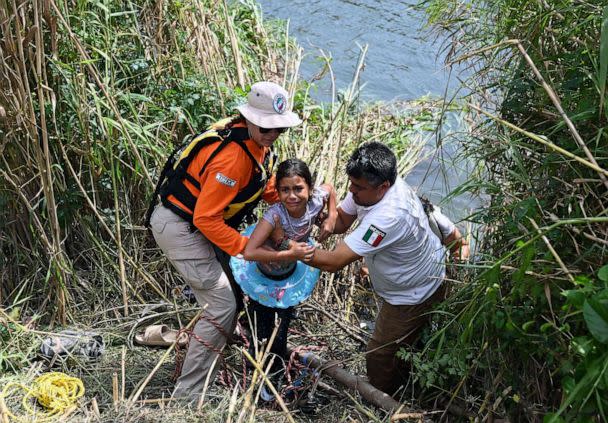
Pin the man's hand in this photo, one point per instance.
(462, 253)
(364, 272)
(459, 246)
(327, 227)
(321, 218)
(301, 251)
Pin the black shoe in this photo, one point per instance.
(188, 294)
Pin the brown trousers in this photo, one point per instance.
(397, 326)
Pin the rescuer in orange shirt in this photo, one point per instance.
(207, 189)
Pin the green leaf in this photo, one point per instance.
(568, 384)
(499, 319)
(528, 325)
(492, 275)
(596, 317)
(582, 345)
(546, 327)
(602, 274)
(603, 73)
(527, 255)
(578, 391)
(582, 280)
(552, 418)
(575, 297)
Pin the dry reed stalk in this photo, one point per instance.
(286, 59)
(577, 231)
(234, 43)
(121, 261)
(208, 51)
(4, 413)
(36, 220)
(271, 57)
(123, 378)
(557, 103)
(101, 220)
(201, 400)
(362, 408)
(268, 383)
(408, 416)
(261, 357)
(542, 140)
(95, 408)
(350, 331)
(292, 68)
(102, 248)
(232, 405)
(554, 253)
(115, 393)
(110, 99)
(554, 99)
(37, 132)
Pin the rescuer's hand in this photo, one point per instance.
(301, 251)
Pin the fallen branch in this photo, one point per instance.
(358, 383)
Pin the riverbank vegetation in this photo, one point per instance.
(93, 96)
(527, 338)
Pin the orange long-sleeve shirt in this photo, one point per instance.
(227, 173)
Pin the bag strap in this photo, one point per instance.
(163, 175)
(429, 209)
(228, 135)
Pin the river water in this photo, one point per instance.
(403, 63)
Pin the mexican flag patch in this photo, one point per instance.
(373, 236)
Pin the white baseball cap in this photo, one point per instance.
(268, 106)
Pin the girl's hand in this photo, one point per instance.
(301, 251)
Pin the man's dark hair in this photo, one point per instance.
(374, 162)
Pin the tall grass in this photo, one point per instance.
(96, 95)
(93, 97)
(528, 336)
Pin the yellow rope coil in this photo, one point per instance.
(56, 392)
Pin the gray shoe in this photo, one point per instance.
(71, 342)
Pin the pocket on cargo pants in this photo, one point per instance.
(199, 273)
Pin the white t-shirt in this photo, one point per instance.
(404, 257)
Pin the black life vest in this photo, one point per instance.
(175, 172)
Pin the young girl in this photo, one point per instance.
(272, 276)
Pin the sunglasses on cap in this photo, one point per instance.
(267, 130)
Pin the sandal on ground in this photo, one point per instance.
(160, 336)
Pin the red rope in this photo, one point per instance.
(180, 352)
(298, 383)
(224, 375)
(295, 382)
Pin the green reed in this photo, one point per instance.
(527, 336)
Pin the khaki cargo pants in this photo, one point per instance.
(194, 258)
(396, 326)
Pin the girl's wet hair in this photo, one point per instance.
(294, 167)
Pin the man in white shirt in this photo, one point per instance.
(404, 257)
